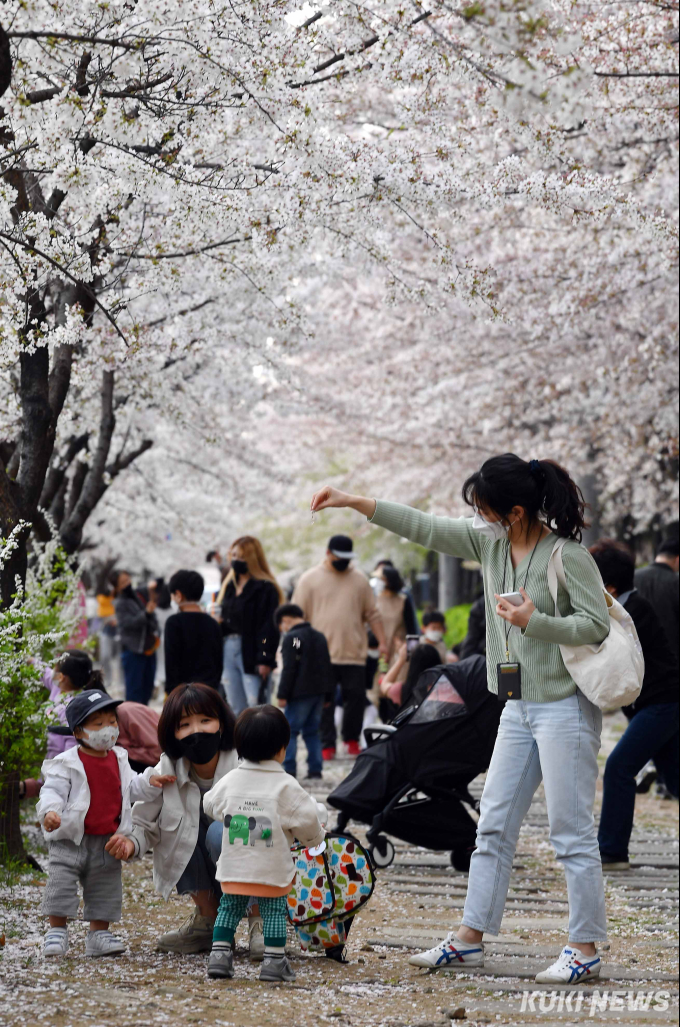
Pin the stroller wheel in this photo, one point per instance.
(382, 851)
(460, 859)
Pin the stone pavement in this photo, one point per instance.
(417, 900)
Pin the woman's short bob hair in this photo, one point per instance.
(193, 698)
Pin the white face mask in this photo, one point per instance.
(494, 530)
(434, 636)
(103, 739)
(378, 586)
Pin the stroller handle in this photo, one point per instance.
(376, 732)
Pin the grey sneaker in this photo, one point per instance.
(56, 942)
(255, 939)
(221, 963)
(276, 968)
(103, 943)
(194, 935)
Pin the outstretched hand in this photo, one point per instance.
(160, 780)
(328, 497)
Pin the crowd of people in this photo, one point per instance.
(248, 671)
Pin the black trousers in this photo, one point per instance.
(352, 680)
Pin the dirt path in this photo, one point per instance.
(417, 900)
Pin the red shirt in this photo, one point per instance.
(106, 799)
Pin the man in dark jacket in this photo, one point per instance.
(139, 638)
(306, 683)
(658, 584)
(653, 729)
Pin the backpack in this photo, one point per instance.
(332, 885)
(609, 674)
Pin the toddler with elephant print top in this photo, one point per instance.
(263, 810)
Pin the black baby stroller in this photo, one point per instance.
(412, 780)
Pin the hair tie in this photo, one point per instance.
(535, 467)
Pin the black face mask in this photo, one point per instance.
(341, 565)
(239, 567)
(201, 746)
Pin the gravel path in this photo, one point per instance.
(416, 901)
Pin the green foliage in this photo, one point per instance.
(457, 623)
(33, 628)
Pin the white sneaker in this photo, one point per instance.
(572, 967)
(255, 939)
(103, 943)
(451, 953)
(56, 942)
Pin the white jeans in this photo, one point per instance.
(556, 742)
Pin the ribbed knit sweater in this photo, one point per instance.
(584, 617)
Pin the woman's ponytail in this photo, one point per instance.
(542, 487)
(563, 505)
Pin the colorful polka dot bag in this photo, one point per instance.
(329, 887)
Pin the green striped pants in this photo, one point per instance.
(233, 908)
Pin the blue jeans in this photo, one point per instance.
(242, 689)
(199, 873)
(140, 675)
(651, 734)
(304, 717)
(556, 742)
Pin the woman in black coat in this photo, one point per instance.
(248, 598)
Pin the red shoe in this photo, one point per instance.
(328, 754)
(353, 748)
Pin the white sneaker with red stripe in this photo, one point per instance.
(572, 967)
(451, 954)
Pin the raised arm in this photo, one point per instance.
(452, 535)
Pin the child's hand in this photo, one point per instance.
(52, 821)
(159, 780)
(282, 703)
(120, 847)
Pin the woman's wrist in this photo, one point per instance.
(362, 505)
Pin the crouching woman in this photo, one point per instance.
(196, 736)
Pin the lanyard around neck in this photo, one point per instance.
(526, 578)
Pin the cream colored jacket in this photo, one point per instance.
(168, 823)
(263, 810)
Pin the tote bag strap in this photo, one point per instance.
(556, 572)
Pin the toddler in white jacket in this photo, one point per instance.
(263, 810)
(85, 810)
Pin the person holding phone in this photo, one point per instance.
(549, 731)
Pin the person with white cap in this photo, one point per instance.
(337, 600)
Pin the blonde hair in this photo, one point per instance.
(253, 554)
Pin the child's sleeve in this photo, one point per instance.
(55, 790)
(215, 801)
(140, 789)
(305, 820)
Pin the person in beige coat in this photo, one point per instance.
(338, 601)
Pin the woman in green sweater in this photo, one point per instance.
(549, 731)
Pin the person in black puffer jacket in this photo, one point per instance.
(653, 729)
(306, 685)
(248, 598)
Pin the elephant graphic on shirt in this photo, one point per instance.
(238, 826)
(261, 828)
(248, 829)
